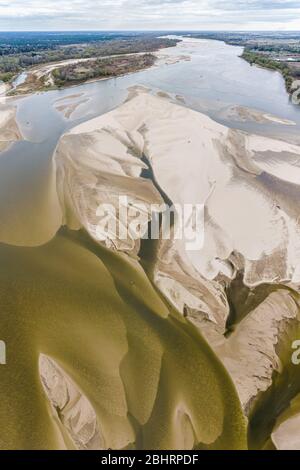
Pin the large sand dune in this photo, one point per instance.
(197, 161)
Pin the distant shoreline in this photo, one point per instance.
(112, 54)
(260, 56)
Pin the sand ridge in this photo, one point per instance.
(198, 161)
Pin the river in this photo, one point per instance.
(94, 311)
(209, 76)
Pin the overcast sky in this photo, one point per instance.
(149, 14)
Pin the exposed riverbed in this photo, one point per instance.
(150, 378)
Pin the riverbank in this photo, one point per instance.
(273, 51)
(28, 77)
(266, 62)
(76, 72)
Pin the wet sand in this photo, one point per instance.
(9, 130)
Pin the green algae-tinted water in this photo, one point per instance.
(150, 377)
(282, 399)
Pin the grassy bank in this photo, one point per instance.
(264, 61)
(101, 68)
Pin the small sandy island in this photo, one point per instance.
(242, 113)
(69, 104)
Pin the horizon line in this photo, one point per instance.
(148, 30)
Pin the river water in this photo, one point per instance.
(210, 77)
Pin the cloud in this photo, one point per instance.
(149, 14)
(267, 5)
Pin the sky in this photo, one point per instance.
(42, 15)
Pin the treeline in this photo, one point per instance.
(12, 42)
(12, 64)
(269, 63)
(101, 68)
(284, 39)
(280, 48)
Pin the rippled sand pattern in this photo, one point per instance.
(150, 377)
